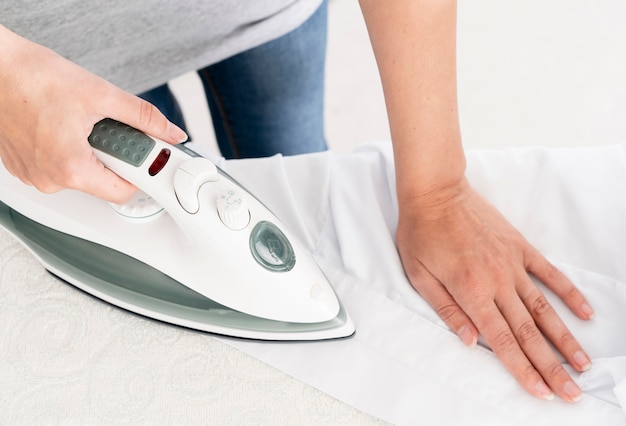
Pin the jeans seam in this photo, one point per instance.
(228, 128)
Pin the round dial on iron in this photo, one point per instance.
(232, 209)
(141, 206)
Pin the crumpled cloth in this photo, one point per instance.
(403, 364)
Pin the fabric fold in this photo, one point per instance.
(562, 200)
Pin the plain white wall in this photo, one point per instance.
(530, 73)
(538, 72)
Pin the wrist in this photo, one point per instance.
(422, 178)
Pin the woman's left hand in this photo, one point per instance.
(473, 268)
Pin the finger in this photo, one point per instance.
(553, 327)
(535, 347)
(87, 175)
(144, 116)
(442, 302)
(556, 281)
(103, 183)
(503, 342)
(110, 187)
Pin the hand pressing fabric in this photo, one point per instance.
(466, 260)
(459, 253)
(49, 106)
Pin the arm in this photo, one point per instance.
(459, 253)
(48, 107)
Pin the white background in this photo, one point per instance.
(530, 73)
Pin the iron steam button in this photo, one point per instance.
(186, 188)
(202, 168)
(188, 179)
(232, 209)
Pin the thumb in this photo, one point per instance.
(142, 115)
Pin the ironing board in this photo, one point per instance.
(68, 358)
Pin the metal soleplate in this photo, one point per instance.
(132, 285)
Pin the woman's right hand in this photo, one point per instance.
(48, 107)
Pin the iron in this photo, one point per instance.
(191, 248)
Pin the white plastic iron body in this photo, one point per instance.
(195, 225)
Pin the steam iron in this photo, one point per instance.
(192, 248)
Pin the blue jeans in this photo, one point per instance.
(266, 100)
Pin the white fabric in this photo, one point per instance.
(403, 364)
(68, 357)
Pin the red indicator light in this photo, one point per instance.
(160, 162)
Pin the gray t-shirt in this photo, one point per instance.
(140, 44)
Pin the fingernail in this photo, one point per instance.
(176, 133)
(467, 337)
(587, 310)
(544, 391)
(583, 361)
(572, 391)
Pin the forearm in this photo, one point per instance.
(414, 42)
